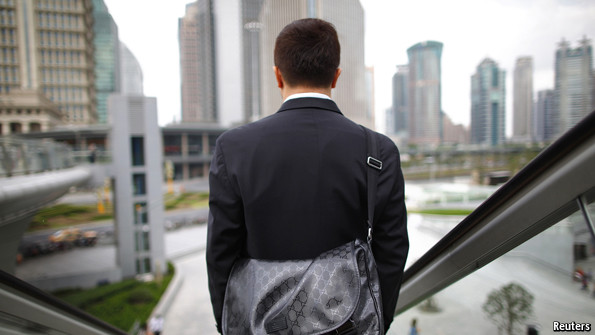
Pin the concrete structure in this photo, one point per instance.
(400, 99)
(138, 176)
(196, 33)
(348, 18)
(131, 74)
(107, 58)
(488, 108)
(48, 49)
(545, 127)
(20, 199)
(573, 91)
(522, 127)
(27, 110)
(425, 93)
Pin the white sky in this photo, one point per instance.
(469, 29)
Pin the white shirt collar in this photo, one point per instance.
(308, 95)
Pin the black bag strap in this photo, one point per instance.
(374, 168)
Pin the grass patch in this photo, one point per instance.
(65, 215)
(185, 200)
(446, 211)
(119, 304)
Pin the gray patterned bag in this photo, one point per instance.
(338, 292)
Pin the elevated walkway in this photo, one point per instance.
(22, 196)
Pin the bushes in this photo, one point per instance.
(119, 304)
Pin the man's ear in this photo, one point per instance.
(278, 76)
(337, 74)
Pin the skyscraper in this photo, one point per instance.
(522, 127)
(348, 18)
(197, 62)
(488, 96)
(573, 84)
(48, 53)
(131, 74)
(425, 93)
(107, 57)
(400, 99)
(545, 127)
(251, 48)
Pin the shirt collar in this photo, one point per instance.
(308, 95)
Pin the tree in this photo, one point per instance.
(508, 307)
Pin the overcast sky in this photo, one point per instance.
(470, 30)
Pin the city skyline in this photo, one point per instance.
(464, 48)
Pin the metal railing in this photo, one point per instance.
(555, 184)
(20, 156)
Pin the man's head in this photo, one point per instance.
(307, 53)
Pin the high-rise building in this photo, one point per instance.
(425, 97)
(107, 57)
(488, 96)
(400, 97)
(545, 127)
(196, 33)
(251, 48)
(522, 127)
(348, 18)
(131, 74)
(573, 84)
(47, 51)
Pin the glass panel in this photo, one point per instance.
(172, 145)
(139, 184)
(140, 213)
(138, 151)
(194, 145)
(555, 268)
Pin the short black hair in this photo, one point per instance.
(307, 52)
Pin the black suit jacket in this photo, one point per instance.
(293, 185)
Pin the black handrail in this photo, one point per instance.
(548, 157)
(41, 296)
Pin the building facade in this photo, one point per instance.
(488, 110)
(48, 49)
(545, 127)
(131, 74)
(573, 90)
(522, 126)
(107, 58)
(348, 18)
(425, 93)
(400, 97)
(196, 34)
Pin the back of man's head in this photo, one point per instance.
(307, 52)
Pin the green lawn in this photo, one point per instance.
(65, 215)
(119, 304)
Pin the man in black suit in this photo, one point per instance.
(293, 184)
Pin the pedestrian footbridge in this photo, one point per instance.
(557, 183)
(33, 174)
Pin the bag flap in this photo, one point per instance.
(305, 296)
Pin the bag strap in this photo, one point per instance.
(374, 168)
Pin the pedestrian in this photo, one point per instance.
(156, 324)
(413, 330)
(293, 185)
